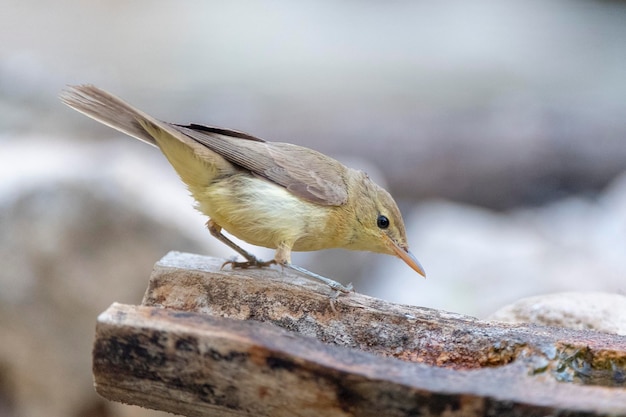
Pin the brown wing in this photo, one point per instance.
(304, 172)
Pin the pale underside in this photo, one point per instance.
(264, 214)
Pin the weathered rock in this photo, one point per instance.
(209, 341)
(573, 310)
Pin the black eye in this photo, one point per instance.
(382, 222)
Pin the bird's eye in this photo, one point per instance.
(382, 222)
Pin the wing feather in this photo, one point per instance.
(304, 172)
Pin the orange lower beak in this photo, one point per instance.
(406, 256)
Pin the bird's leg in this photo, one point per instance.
(283, 258)
(251, 260)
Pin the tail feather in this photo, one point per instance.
(109, 110)
(196, 164)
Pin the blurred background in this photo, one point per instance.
(500, 128)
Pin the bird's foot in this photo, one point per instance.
(252, 262)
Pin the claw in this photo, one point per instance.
(255, 263)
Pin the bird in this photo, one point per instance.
(271, 194)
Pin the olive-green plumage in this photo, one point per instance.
(276, 195)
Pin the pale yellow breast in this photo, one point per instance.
(265, 214)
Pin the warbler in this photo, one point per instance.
(277, 195)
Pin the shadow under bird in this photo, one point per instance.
(277, 195)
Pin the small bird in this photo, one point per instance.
(277, 195)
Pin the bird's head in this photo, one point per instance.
(378, 223)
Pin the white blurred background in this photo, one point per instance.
(500, 127)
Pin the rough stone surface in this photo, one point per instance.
(208, 341)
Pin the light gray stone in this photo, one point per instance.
(575, 310)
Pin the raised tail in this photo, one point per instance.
(110, 110)
(195, 163)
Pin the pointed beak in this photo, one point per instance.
(405, 255)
